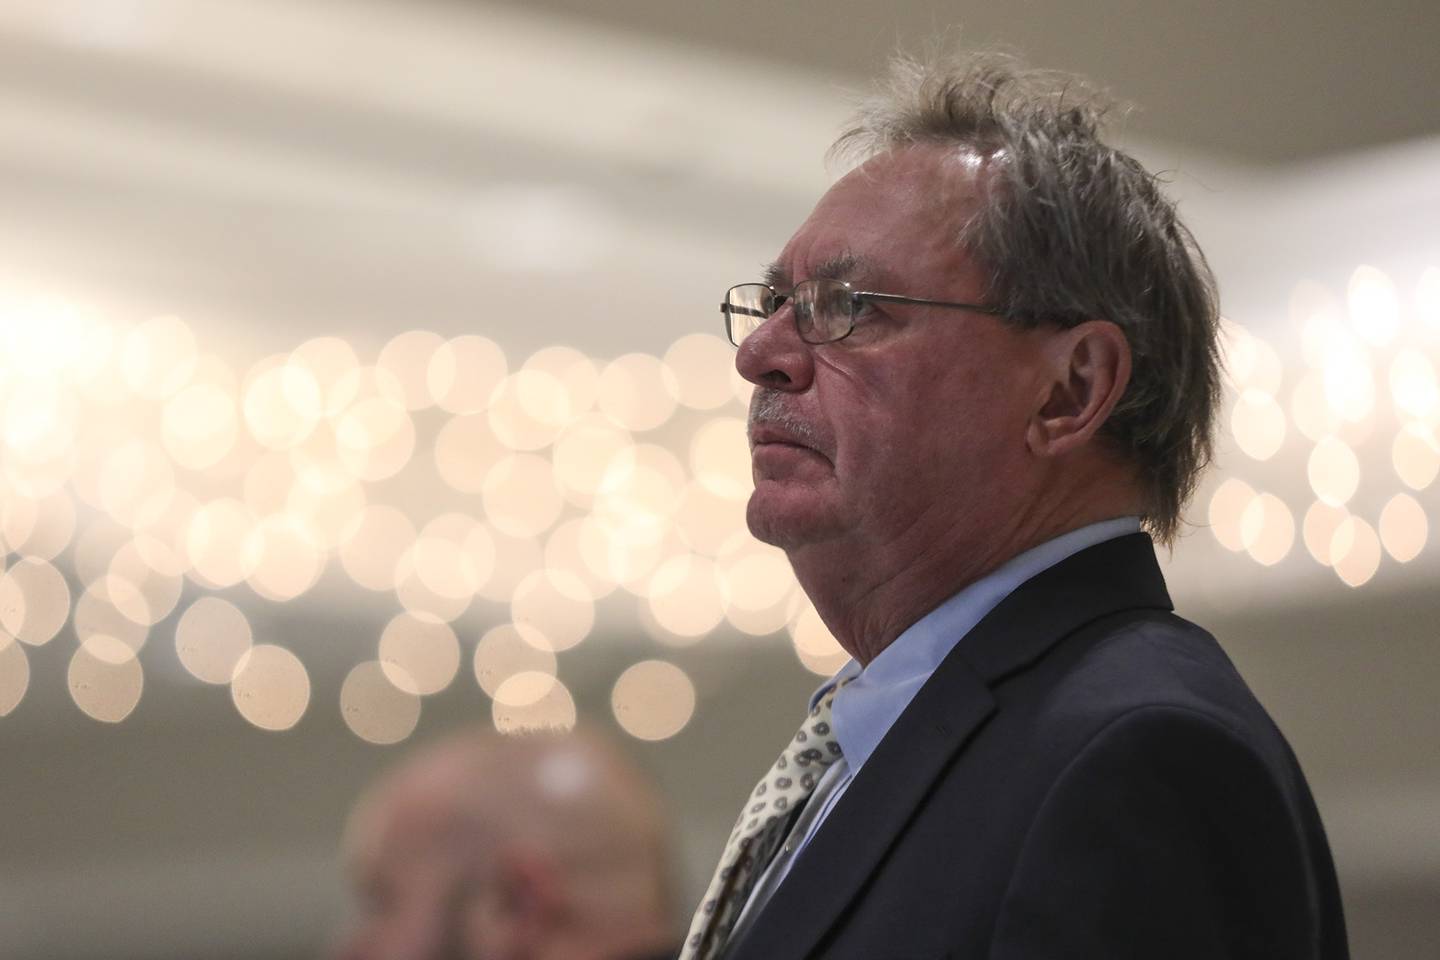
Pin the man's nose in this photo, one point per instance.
(774, 356)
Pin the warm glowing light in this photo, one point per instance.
(417, 597)
(104, 683)
(1374, 306)
(372, 544)
(325, 514)
(555, 606)
(815, 645)
(1267, 529)
(529, 409)
(575, 372)
(1349, 381)
(199, 425)
(720, 458)
(582, 454)
(268, 483)
(18, 516)
(1334, 471)
(215, 543)
(702, 364)
(14, 673)
(515, 559)
(34, 601)
(638, 391)
(210, 639)
(653, 700)
(157, 357)
(1318, 315)
(757, 584)
(684, 596)
(49, 530)
(531, 700)
(521, 496)
(454, 555)
(96, 547)
(1413, 384)
(706, 520)
(270, 687)
(163, 531)
(375, 439)
(331, 363)
(1248, 361)
(282, 403)
(1321, 522)
(1355, 551)
(420, 654)
(40, 423)
(1312, 414)
(1427, 298)
(375, 709)
(1227, 511)
(464, 373)
(564, 553)
(281, 557)
(640, 493)
(1403, 527)
(507, 650)
(319, 464)
(130, 477)
(112, 608)
(466, 450)
(1416, 455)
(1258, 424)
(407, 358)
(158, 591)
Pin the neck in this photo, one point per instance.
(868, 593)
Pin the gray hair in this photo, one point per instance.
(1073, 230)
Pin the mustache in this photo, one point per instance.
(767, 406)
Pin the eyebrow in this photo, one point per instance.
(842, 266)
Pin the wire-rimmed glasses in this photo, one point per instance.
(824, 310)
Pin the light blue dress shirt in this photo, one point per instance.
(867, 707)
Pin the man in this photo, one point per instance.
(984, 362)
(535, 847)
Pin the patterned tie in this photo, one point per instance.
(761, 828)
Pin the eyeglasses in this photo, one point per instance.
(824, 310)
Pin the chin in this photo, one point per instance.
(784, 520)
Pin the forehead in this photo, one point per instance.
(896, 215)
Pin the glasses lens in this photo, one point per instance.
(822, 310)
(746, 307)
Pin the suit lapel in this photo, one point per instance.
(953, 704)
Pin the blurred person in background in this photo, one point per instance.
(985, 377)
(531, 847)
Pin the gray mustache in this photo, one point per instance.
(768, 406)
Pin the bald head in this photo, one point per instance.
(531, 846)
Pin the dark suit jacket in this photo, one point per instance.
(1086, 775)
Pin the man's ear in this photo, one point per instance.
(1087, 368)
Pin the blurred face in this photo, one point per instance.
(409, 889)
(913, 426)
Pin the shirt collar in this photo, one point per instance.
(867, 706)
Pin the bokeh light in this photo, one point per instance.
(1415, 454)
(1404, 527)
(702, 364)
(1334, 471)
(211, 637)
(464, 373)
(270, 687)
(653, 700)
(373, 543)
(113, 608)
(1267, 529)
(1227, 511)
(1413, 384)
(555, 606)
(583, 453)
(420, 654)
(281, 402)
(375, 709)
(375, 439)
(638, 391)
(1355, 551)
(1258, 424)
(1374, 305)
(531, 700)
(466, 450)
(1321, 522)
(331, 363)
(282, 560)
(105, 679)
(720, 458)
(407, 358)
(34, 601)
(508, 649)
(521, 497)
(157, 356)
(757, 584)
(14, 673)
(215, 543)
(684, 596)
(815, 645)
(529, 409)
